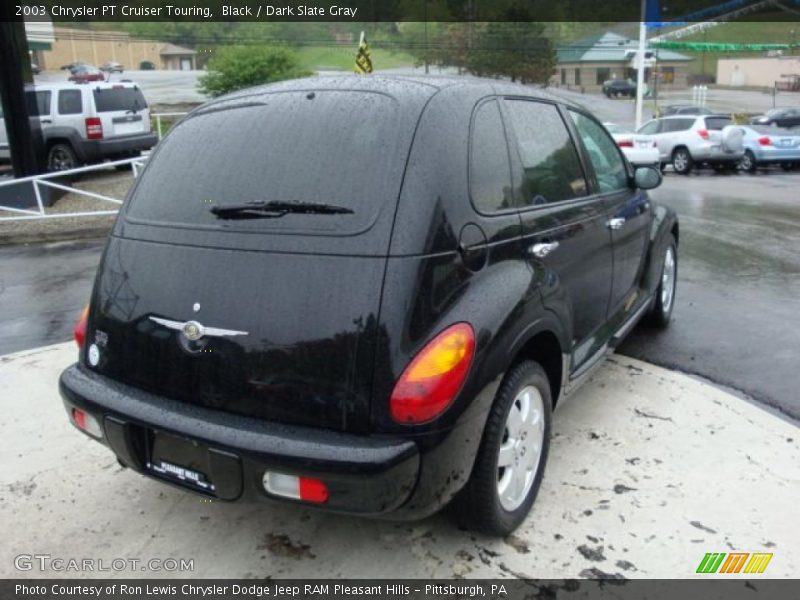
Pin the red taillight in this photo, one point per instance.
(703, 133)
(80, 327)
(94, 128)
(430, 383)
(625, 144)
(313, 490)
(764, 141)
(79, 417)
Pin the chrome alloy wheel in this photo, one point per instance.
(680, 162)
(668, 280)
(521, 448)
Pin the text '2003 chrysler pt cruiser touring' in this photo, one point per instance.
(367, 294)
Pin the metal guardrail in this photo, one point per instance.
(157, 117)
(36, 181)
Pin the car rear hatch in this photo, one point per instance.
(286, 303)
(122, 109)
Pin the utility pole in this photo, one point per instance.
(24, 133)
(640, 66)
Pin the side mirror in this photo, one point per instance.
(647, 178)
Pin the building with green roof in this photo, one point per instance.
(584, 65)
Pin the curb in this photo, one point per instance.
(91, 233)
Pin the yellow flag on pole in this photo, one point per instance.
(363, 60)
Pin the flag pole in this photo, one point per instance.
(640, 66)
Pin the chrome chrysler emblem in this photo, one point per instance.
(193, 330)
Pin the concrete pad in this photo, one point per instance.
(649, 470)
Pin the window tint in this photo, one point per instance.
(609, 166)
(717, 123)
(119, 98)
(552, 170)
(649, 128)
(671, 125)
(69, 102)
(337, 148)
(38, 103)
(489, 171)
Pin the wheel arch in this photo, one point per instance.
(541, 343)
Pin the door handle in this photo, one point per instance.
(616, 223)
(542, 250)
(47, 121)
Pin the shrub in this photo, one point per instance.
(237, 67)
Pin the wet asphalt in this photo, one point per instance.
(735, 320)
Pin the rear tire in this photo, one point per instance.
(748, 162)
(788, 166)
(61, 157)
(682, 161)
(497, 498)
(661, 313)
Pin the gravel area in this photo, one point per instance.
(110, 182)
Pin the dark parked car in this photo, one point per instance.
(377, 314)
(782, 117)
(619, 87)
(683, 109)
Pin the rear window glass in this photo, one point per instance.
(336, 148)
(119, 99)
(717, 123)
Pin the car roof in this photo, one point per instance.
(399, 87)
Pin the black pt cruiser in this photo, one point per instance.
(367, 294)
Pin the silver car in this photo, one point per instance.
(689, 141)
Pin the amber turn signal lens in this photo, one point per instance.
(431, 381)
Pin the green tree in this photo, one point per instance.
(520, 51)
(236, 67)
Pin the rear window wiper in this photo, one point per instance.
(271, 210)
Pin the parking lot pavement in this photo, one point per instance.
(648, 471)
(735, 317)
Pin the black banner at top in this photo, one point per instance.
(657, 12)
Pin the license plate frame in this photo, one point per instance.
(180, 460)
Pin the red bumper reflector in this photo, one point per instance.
(86, 422)
(306, 489)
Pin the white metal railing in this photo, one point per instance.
(157, 117)
(36, 181)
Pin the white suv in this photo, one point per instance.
(686, 141)
(89, 122)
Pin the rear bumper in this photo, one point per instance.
(770, 154)
(93, 150)
(714, 153)
(364, 474)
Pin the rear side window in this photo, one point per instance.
(551, 168)
(119, 99)
(650, 128)
(717, 123)
(332, 147)
(672, 125)
(489, 168)
(38, 103)
(69, 102)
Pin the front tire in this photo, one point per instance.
(511, 459)
(682, 161)
(661, 313)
